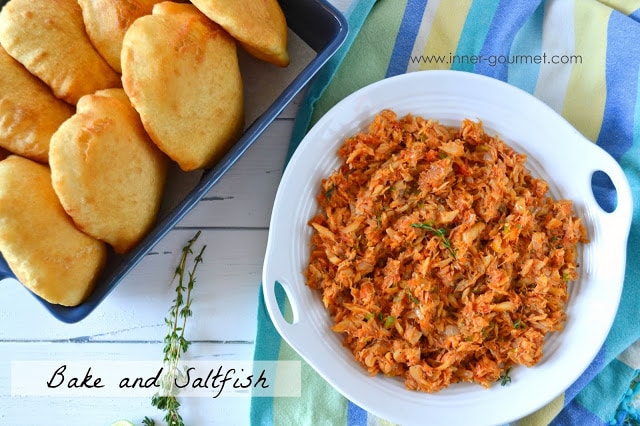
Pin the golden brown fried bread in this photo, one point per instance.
(259, 26)
(107, 173)
(106, 22)
(39, 241)
(181, 72)
(49, 39)
(29, 113)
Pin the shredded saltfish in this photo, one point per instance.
(439, 257)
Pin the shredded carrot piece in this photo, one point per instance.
(438, 255)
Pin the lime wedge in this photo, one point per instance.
(122, 423)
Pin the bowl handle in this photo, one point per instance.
(294, 330)
(279, 304)
(598, 160)
(283, 300)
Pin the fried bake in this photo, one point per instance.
(106, 171)
(39, 241)
(107, 21)
(259, 26)
(48, 37)
(29, 112)
(181, 72)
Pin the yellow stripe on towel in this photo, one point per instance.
(445, 33)
(625, 6)
(587, 89)
(545, 415)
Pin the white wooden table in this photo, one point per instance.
(129, 324)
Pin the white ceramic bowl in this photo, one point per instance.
(556, 152)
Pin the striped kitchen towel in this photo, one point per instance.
(582, 58)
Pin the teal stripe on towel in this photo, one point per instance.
(267, 348)
(474, 32)
(612, 383)
(528, 41)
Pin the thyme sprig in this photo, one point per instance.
(438, 232)
(175, 342)
(505, 378)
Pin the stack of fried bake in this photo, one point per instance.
(97, 97)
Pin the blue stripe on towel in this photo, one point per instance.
(594, 368)
(508, 19)
(406, 38)
(528, 41)
(356, 416)
(575, 414)
(616, 133)
(636, 120)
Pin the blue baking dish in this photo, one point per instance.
(323, 28)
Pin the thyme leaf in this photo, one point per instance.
(329, 192)
(438, 232)
(148, 421)
(412, 298)
(505, 378)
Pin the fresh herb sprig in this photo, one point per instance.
(438, 232)
(175, 342)
(505, 377)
